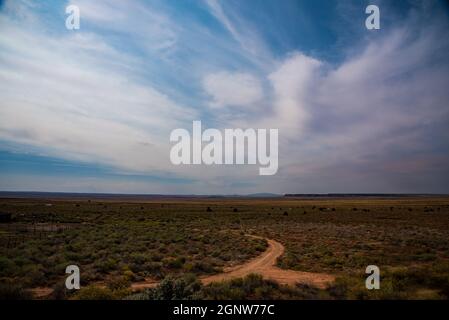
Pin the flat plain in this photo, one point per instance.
(225, 248)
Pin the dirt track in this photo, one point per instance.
(265, 265)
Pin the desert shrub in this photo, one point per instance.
(94, 293)
(6, 266)
(153, 267)
(183, 288)
(174, 263)
(338, 290)
(353, 288)
(202, 267)
(289, 260)
(396, 283)
(236, 289)
(106, 265)
(60, 292)
(20, 261)
(10, 291)
(118, 283)
(156, 257)
(129, 275)
(436, 278)
(34, 276)
(138, 258)
(308, 292)
(254, 287)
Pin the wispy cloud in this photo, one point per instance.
(243, 33)
(111, 93)
(75, 96)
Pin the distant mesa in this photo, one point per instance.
(361, 195)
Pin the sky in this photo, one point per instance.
(91, 110)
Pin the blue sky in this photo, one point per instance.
(91, 110)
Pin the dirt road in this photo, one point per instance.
(265, 265)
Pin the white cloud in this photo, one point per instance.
(292, 83)
(79, 97)
(242, 32)
(150, 29)
(233, 89)
(75, 97)
(384, 105)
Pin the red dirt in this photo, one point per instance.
(41, 292)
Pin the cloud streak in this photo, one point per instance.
(109, 95)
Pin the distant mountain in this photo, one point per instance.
(81, 196)
(361, 195)
(264, 195)
(135, 197)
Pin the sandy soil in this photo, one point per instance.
(148, 283)
(41, 292)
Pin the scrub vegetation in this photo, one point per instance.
(175, 242)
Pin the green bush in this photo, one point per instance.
(183, 288)
(94, 293)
